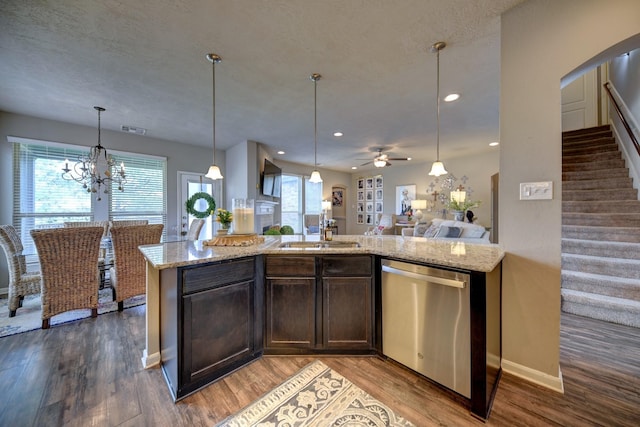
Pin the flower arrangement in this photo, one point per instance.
(454, 205)
(224, 217)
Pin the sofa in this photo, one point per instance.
(444, 229)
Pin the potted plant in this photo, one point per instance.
(458, 208)
(224, 217)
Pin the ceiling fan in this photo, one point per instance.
(381, 160)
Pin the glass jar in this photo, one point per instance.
(243, 216)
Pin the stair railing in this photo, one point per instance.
(624, 121)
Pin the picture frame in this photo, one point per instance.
(360, 218)
(369, 184)
(378, 207)
(404, 195)
(378, 193)
(378, 181)
(360, 207)
(369, 195)
(360, 183)
(369, 206)
(369, 219)
(337, 198)
(361, 196)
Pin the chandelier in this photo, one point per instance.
(86, 171)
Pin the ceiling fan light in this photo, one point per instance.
(379, 163)
(437, 169)
(315, 177)
(214, 173)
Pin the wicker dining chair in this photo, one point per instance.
(21, 283)
(194, 229)
(128, 222)
(68, 259)
(129, 271)
(105, 224)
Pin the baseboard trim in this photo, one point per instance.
(536, 377)
(150, 360)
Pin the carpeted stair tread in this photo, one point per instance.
(616, 219)
(626, 250)
(595, 165)
(610, 309)
(602, 285)
(587, 131)
(613, 183)
(620, 267)
(610, 234)
(598, 195)
(595, 174)
(603, 206)
(591, 147)
(591, 157)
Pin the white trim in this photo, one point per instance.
(149, 361)
(536, 377)
(64, 145)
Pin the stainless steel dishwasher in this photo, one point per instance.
(425, 322)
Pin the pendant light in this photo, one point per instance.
(437, 168)
(315, 175)
(214, 170)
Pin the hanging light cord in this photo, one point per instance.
(213, 91)
(438, 105)
(315, 79)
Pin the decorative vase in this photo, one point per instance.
(458, 215)
(222, 232)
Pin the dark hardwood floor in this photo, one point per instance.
(89, 373)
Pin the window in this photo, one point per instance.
(144, 195)
(293, 194)
(42, 198)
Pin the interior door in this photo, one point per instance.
(191, 183)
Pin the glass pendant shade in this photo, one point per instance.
(379, 163)
(315, 177)
(437, 169)
(214, 173)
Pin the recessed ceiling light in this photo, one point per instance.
(280, 152)
(338, 133)
(451, 97)
(354, 167)
(408, 158)
(494, 143)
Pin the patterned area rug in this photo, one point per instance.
(28, 317)
(316, 396)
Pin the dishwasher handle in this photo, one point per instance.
(431, 279)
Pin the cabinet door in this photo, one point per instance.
(218, 330)
(290, 312)
(347, 321)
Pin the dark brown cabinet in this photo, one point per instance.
(319, 304)
(210, 322)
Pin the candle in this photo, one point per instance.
(243, 216)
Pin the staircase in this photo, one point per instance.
(600, 229)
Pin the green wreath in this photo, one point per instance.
(190, 203)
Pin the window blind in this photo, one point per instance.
(144, 195)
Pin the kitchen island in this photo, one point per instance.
(192, 279)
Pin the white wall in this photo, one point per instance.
(183, 157)
(541, 42)
(624, 73)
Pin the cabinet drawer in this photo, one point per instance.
(290, 266)
(212, 276)
(347, 266)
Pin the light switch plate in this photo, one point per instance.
(536, 190)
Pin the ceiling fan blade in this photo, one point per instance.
(367, 163)
(398, 158)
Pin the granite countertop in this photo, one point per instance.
(446, 253)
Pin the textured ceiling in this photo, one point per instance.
(144, 61)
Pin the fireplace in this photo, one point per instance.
(264, 211)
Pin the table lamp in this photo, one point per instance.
(416, 205)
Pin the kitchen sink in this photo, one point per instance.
(320, 245)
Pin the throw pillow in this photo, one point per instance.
(419, 229)
(450, 232)
(431, 231)
(475, 233)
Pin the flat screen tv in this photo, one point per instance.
(271, 179)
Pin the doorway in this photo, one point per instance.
(191, 183)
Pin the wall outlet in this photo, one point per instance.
(536, 190)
